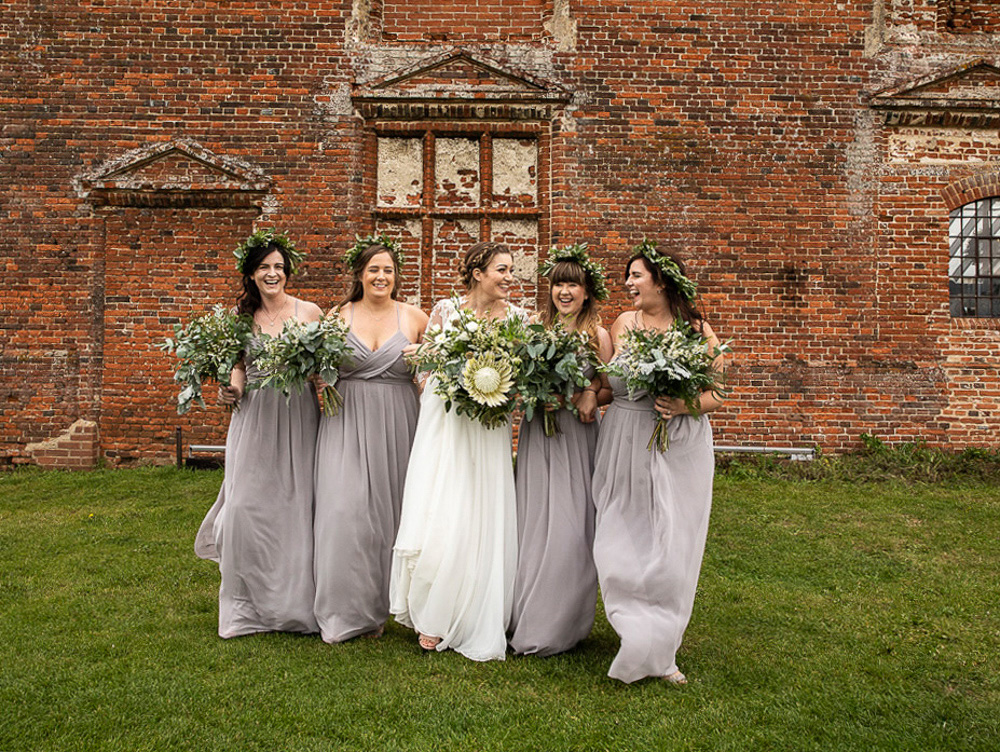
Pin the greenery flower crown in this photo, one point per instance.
(578, 254)
(263, 239)
(668, 266)
(363, 242)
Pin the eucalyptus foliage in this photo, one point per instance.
(301, 351)
(208, 348)
(473, 362)
(553, 365)
(676, 363)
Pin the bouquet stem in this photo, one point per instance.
(660, 437)
(550, 420)
(331, 400)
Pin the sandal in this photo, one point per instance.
(677, 679)
(428, 642)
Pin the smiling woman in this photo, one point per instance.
(260, 528)
(362, 452)
(455, 555)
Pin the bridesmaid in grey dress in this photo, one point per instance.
(555, 590)
(260, 528)
(363, 451)
(652, 507)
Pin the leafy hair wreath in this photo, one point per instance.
(671, 271)
(363, 242)
(577, 253)
(262, 239)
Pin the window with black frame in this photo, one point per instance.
(974, 266)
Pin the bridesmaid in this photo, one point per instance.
(555, 590)
(652, 507)
(362, 452)
(260, 528)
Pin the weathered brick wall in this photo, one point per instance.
(739, 133)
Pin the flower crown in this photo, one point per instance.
(363, 242)
(263, 239)
(669, 268)
(578, 254)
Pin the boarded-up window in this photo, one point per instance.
(439, 193)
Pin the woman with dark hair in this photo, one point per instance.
(652, 506)
(362, 452)
(456, 551)
(260, 528)
(555, 591)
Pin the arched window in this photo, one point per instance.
(974, 267)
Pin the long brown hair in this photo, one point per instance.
(680, 307)
(588, 319)
(357, 291)
(249, 300)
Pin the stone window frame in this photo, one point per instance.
(980, 191)
(487, 212)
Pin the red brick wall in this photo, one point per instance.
(431, 21)
(736, 132)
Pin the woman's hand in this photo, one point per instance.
(586, 404)
(668, 407)
(229, 395)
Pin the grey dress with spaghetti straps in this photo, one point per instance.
(652, 521)
(555, 590)
(260, 529)
(361, 459)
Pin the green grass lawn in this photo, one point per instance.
(831, 615)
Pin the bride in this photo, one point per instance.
(455, 556)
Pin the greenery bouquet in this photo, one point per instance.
(553, 365)
(302, 351)
(677, 363)
(208, 348)
(474, 364)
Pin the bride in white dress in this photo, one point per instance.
(455, 556)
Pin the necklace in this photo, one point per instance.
(642, 323)
(371, 315)
(272, 319)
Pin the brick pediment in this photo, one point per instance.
(458, 85)
(964, 96)
(177, 173)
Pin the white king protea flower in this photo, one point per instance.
(488, 378)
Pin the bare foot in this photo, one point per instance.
(676, 678)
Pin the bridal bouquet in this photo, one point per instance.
(302, 350)
(553, 362)
(474, 363)
(676, 363)
(208, 348)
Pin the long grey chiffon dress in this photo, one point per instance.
(361, 459)
(260, 529)
(555, 590)
(652, 521)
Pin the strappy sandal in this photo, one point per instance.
(428, 642)
(677, 679)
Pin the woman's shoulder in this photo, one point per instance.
(624, 321)
(306, 311)
(411, 311)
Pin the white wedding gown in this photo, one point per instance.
(455, 556)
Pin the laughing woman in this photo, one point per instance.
(652, 506)
(555, 591)
(363, 451)
(260, 528)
